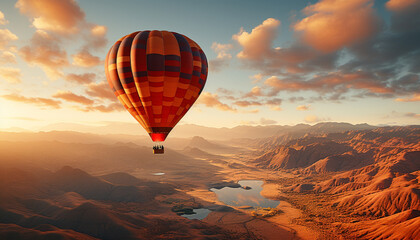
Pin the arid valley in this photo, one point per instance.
(330, 181)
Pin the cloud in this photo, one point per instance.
(96, 37)
(302, 107)
(45, 52)
(57, 23)
(223, 57)
(43, 102)
(414, 98)
(264, 121)
(313, 119)
(404, 15)
(258, 52)
(62, 17)
(3, 20)
(412, 115)
(273, 101)
(274, 104)
(6, 36)
(222, 50)
(98, 30)
(276, 108)
(251, 111)
(257, 77)
(255, 92)
(244, 103)
(7, 57)
(379, 59)
(401, 5)
(71, 97)
(100, 90)
(225, 91)
(334, 24)
(104, 108)
(332, 82)
(257, 44)
(25, 118)
(85, 59)
(12, 75)
(212, 101)
(81, 78)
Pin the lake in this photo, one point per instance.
(200, 213)
(243, 197)
(238, 197)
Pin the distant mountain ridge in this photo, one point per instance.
(191, 130)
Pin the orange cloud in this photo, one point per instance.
(404, 15)
(212, 100)
(332, 82)
(276, 108)
(6, 36)
(98, 30)
(7, 57)
(247, 103)
(45, 52)
(104, 108)
(257, 44)
(273, 103)
(12, 75)
(222, 59)
(256, 78)
(3, 20)
(56, 21)
(413, 115)
(97, 36)
(258, 52)
(62, 17)
(334, 24)
(414, 98)
(302, 107)
(25, 118)
(100, 90)
(402, 5)
(255, 92)
(44, 102)
(85, 59)
(222, 50)
(71, 97)
(81, 78)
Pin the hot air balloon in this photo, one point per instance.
(157, 76)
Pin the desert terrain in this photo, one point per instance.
(331, 181)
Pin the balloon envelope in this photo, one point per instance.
(157, 76)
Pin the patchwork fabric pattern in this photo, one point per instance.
(157, 76)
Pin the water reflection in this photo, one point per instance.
(242, 197)
(200, 213)
(159, 174)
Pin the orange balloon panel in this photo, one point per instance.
(157, 76)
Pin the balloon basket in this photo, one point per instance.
(158, 150)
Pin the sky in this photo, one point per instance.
(270, 62)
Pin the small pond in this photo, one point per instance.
(158, 174)
(245, 197)
(200, 213)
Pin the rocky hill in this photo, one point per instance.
(72, 204)
(373, 173)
